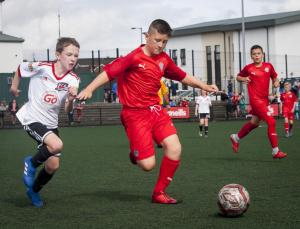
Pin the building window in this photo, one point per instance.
(182, 57)
(174, 56)
(218, 65)
(9, 80)
(208, 64)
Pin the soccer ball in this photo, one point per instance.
(233, 200)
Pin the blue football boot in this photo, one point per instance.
(29, 172)
(34, 198)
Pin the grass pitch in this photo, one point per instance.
(97, 187)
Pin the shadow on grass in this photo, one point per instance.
(236, 159)
(120, 196)
(112, 196)
(220, 216)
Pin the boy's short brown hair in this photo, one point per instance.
(160, 26)
(64, 42)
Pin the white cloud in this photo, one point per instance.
(99, 24)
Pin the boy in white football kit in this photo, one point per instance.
(203, 103)
(51, 85)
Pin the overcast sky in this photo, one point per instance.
(106, 24)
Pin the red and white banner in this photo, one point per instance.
(179, 112)
(274, 109)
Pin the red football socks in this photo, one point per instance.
(167, 170)
(246, 129)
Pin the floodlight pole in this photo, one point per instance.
(58, 24)
(1, 16)
(141, 31)
(244, 86)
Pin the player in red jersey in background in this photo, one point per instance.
(288, 103)
(257, 75)
(139, 74)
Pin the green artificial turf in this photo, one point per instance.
(97, 187)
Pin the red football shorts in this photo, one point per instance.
(142, 126)
(261, 109)
(289, 115)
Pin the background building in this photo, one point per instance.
(11, 54)
(215, 47)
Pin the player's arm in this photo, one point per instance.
(166, 98)
(100, 80)
(294, 107)
(194, 82)
(243, 79)
(196, 109)
(14, 89)
(280, 108)
(276, 82)
(72, 93)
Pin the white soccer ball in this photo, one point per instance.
(233, 200)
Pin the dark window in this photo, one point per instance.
(208, 64)
(218, 65)
(182, 57)
(174, 56)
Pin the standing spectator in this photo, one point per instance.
(224, 96)
(242, 104)
(184, 103)
(202, 110)
(2, 111)
(13, 108)
(79, 108)
(235, 104)
(295, 88)
(281, 85)
(114, 89)
(297, 110)
(71, 114)
(229, 87)
(163, 94)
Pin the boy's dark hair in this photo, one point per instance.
(160, 26)
(256, 47)
(64, 42)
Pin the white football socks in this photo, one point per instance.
(275, 150)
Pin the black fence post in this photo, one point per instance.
(193, 71)
(93, 61)
(286, 67)
(99, 62)
(48, 55)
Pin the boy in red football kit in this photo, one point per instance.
(288, 102)
(139, 74)
(257, 75)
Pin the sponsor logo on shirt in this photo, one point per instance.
(253, 73)
(142, 66)
(61, 86)
(161, 65)
(50, 97)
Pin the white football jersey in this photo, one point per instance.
(203, 104)
(46, 94)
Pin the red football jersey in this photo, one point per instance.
(139, 77)
(288, 99)
(258, 87)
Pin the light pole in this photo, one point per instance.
(1, 16)
(244, 87)
(58, 24)
(141, 30)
